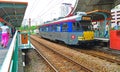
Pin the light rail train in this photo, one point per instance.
(72, 30)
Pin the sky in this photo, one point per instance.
(43, 10)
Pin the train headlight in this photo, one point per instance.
(73, 37)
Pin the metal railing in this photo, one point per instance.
(10, 63)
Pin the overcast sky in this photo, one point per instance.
(44, 9)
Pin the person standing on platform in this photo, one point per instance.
(0, 35)
(106, 30)
(13, 31)
(5, 35)
(117, 27)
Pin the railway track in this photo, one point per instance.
(102, 55)
(58, 61)
(35, 63)
(97, 53)
(92, 63)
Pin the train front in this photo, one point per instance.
(87, 33)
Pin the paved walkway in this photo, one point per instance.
(3, 52)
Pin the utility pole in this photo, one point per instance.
(29, 24)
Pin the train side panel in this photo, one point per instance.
(70, 38)
(66, 37)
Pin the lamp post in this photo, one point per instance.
(29, 24)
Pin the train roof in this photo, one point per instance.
(68, 19)
(99, 14)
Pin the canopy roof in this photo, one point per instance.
(12, 12)
(99, 15)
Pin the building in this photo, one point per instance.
(115, 16)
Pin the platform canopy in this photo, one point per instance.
(99, 15)
(12, 12)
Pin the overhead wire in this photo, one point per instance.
(28, 15)
(35, 5)
(51, 7)
(31, 8)
(48, 4)
(46, 10)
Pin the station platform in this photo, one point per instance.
(102, 39)
(10, 57)
(3, 52)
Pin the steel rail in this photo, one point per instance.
(82, 67)
(54, 68)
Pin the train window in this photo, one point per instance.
(53, 28)
(76, 26)
(58, 28)
(86, 25)
(46, 29)
(64, 27)
(49, 28)
(42, 29)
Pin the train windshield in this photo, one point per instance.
(86, 25)
(82, 26)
